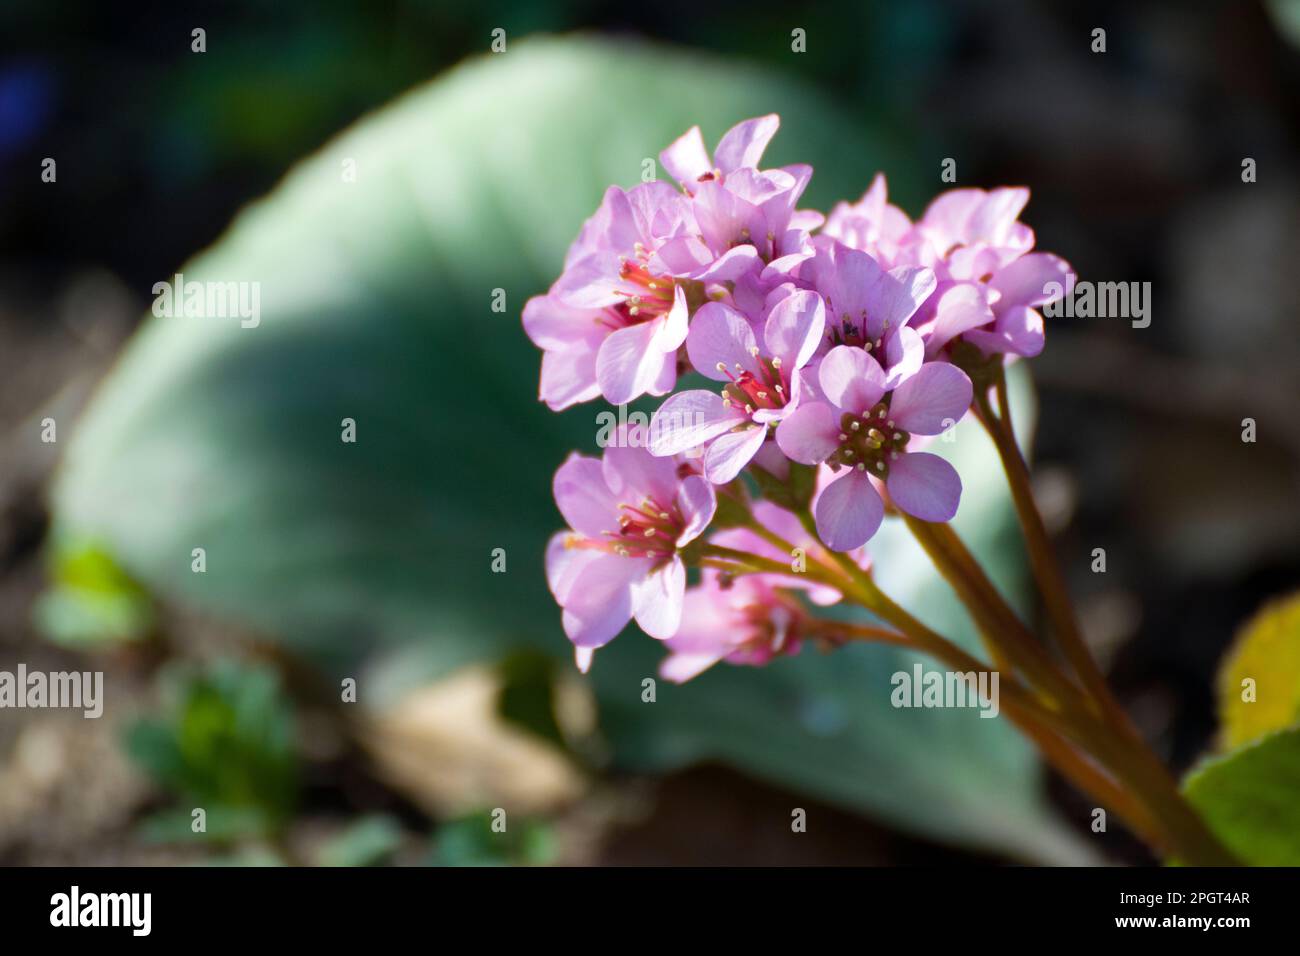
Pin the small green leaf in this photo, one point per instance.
(471, 841)
(1251, 799)
(1259, 681)
(220, 825)
(91, 599)
(225, 743)
(366, 842)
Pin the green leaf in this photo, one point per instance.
(472, 841)
(376, 300)
(366, 842)
(91, 601)
(224, 743)
(1251, 799)
(1259, 681)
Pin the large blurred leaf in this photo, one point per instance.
(1267, 654)
(376, 302)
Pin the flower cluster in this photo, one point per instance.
(839, 343)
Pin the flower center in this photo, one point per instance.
(869, 442)
(646, 530)
(769, 388)
(653, 295)
(851, 331)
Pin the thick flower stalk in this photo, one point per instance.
(824, 354)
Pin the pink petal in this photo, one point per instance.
(848, 512)
(730, 453)
(810, 434)
(743, 144)
(672, 328)
(690, 419)
(898, 295)
(684, 255)
(633, 473)
(628, 365)
(993, 218)
(794, 329)
(569, 377)
(932, 400)
(552, 324)
(1033, 279)
(904, 355)
(707, 620)
(949, 213)
(772, 460)
(586, 284)
(697, 502)
(657, 599)
(851, 379)
(731, 266)
(686, 159)
(924, 485)
(564, 563)
(583, 497)
(1023, 329)
(681, 667)
(961, 307)
(600, 602)
(1019, 331)
(720, 336)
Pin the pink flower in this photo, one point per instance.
(1014, 291)
(745, 218)
(871, 225)
(869, 307)
(989, 283)
(762, 375)
(630, 513)
(741, 147)
(863, 429)
(971, 233)
(745, 621)
(616, 316)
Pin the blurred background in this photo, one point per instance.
(347, 681)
